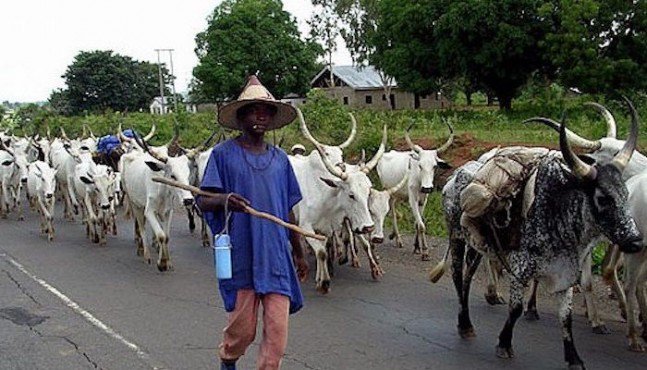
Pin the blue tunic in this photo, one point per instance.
(261, 255)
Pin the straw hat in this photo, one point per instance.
(255, 92)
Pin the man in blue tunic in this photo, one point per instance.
(255, 173)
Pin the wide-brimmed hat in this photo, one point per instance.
(255, 92)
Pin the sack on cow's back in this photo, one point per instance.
(500, 178)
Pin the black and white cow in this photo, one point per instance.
(573, 203)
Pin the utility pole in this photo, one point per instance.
(161, 78)
(170, 55)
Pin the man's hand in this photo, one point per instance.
(237, 203)
(302, 268)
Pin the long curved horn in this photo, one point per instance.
(392, 190)
(151, 133)
(608, 117)
(624, 155)
(148, 150)
(64, 135)
(91, 134)
(305, 131)
(49, 134)
(84, 135)
(176, 135)
(207, 142)
(380, 151)
(449, 141)
(122, 137)
(580, 169)
(588, 145)
(415, 148)
(3, 147)
(353, 132)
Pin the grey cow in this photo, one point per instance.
(574, 203)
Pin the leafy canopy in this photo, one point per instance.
(248, 36)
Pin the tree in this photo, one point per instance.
(598, 46)
(491, 42)
(244, 37)
(324, 28)
(59, 103)
(100, 80)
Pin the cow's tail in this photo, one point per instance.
(439, 270)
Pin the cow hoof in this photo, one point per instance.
(356, 264)
(601, 329)
(425, 257)
(21, 218)
(50, 237)
(576, 367)
(531, 315)
(342, 260)
(377, 273)
(164, 266)
(324, 288)
(494, 299)
(504, 352)
(467, 333)
(634, 346)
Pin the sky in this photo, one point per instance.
(39, 38)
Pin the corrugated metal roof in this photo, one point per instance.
(356, 77)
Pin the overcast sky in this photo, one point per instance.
(39, 38)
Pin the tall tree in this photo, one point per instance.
(248, 36)
(493, 42)
(324, 28)
(598, 46)
(100, 80)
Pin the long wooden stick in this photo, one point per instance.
(248, 209)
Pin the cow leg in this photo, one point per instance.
(322, 277)
(493, 297)
(206, 240)
(642, 298)
(632, 274)
(140, 234)
(422, 203)
(610, 275)
(331, 247)
(191, 216)
(472, 262)
(159, 237)
(586, 282)
(566, 318)
(4, 207)
(352, 246)
(376, 270)
(164, 263)
(531, 312)
(515, 308)
(18, 204)
(46, 218)
(420, 246)
(396, 232)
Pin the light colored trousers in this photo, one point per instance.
(241, 328)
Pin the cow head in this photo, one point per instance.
(604, 149)
(423, 162)
(379, 206)
(46, 180)
(607, 193)
(101, 181)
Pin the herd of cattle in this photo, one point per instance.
(570, 202)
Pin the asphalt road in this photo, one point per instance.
(71, 304)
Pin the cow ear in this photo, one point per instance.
(330, 182)
(154, 166)
(7, 163)
(444, 165)
(86, 180)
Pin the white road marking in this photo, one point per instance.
(78, 309)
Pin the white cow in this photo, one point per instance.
(152, 203)
(420, 164)
(41, 185)
(327, 201)
(93, 185)
(13, 174)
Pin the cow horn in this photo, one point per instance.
(392, 190)
(579, 168)
(151, 133)
(4, 147)
(622, 158)
(305, 131)
(353, 132)
(147, 149)
(64, 135)
(122, 137)
(207, 142)
(608, 117)
(449, 141)
(412, 146)
(588, 145)
(380, 151)
(84, 135)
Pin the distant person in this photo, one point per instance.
(258, 174)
